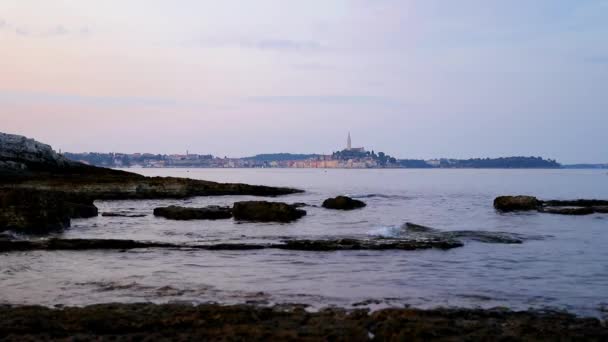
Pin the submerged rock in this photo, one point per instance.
(111, 214)
(343, 203)
(603, 209)
(212, 212)
(263, 211)
(576, 203)
(341, 244)
(568, 210)
(516, 203)
(412, 229)
(78, 244)
(370, 244)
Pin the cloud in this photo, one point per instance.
(271, 44)
(286, 44)
(325, 100)
(59, 30)
(73, 99)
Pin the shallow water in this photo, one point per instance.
(566, 268)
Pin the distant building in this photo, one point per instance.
(349, 145)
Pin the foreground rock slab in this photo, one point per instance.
(55, 244)
(211, 322)
(213, 212)
(343, 203)
(264, 211)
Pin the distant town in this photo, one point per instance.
(348, 158)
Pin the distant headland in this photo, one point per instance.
(349, 158)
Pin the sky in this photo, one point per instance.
(413, 78)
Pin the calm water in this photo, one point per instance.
(567, 269)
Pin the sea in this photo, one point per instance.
(563, 266)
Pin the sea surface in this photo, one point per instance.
(564, 268)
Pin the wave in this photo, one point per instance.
(403, 197)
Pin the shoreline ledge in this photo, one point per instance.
(289, 322)
(326, 245)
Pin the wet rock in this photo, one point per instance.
(31, 211)
(369, 244)
(54, 244)
(78, 244)
(568, 210)
(516, 203)
(576, 203)
(412, 229)
(263, 211)
(211, 322)
(343, 203)
(213, 212)
(601, 209)
(111, 214)
(561, 207)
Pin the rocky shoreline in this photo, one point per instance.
(40, 190)
(148, 322)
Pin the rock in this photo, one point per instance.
(342, 244)
(343, 203)
(561, 207)
(110, 214)
(516, 203)
(31, 211)
(263, 211)
(576, 203)
(213, 212)
(603, 209)
(56, 244)
(33, 168)
(568, 210)
(416, 230)
(21, 157)
(369, 244)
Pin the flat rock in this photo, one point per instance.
(113, 214)
(568, 210)
(370, 244)
(576, 203)
(264, 211)
(325, 245)
(343, 203)
(213, 212)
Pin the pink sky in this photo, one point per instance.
(417, 79)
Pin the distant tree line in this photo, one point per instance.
(501, 163)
